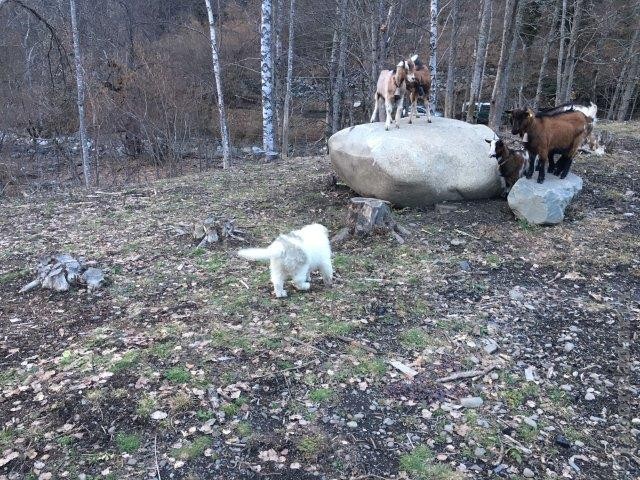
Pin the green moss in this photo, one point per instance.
(320, 395)
(127, 443)
(192, 449)
(177, 375)
(420, 465)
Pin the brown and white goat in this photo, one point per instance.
(391, 89)
(545, 135)
(419, 88)
(511, 163)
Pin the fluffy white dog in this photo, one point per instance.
(295, 255)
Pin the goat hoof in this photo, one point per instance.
(540, 180)
(564, 174)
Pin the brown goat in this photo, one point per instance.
(391, 89)
(511, 163)
(546, 135)
(420, 87)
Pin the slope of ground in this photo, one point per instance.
(186, 367)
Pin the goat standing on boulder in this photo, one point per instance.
(511, 163)
(419, 87)
(391, 88)
(546, 134)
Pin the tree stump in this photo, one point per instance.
(369, 215)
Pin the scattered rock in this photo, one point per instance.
(568, 347)
(352, 424)
(464, 266)
(516, 295)
(158, 415)
(479, 452)
(543, 203)
(490, 345)
(589, 396)
(417, 165)
(528, 473)
(445, 208)
(531, 422)
(471, 402)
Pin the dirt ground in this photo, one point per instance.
(186, 367)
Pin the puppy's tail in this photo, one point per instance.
(272, 251)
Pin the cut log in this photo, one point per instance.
(369, 215)
(213, 231)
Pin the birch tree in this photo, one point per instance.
(287, 93)
(453, 48)
(631, 80)
(433, 56)
(501, 83)
(77, 54)
(545, 54)
(224, 130)
(266, 61)
(480, 57)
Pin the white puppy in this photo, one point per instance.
(295, 255)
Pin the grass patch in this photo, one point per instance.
(311, 446)
(177, 375)
(192, 449)
(162, 349)
(320, 395)
(243, 429)
(230, 340)
(231, 409)
(420, 465)
(516, 397)
(6, 437)
(10, 277)
(127, 443)
(146, 406)
(415, 339)
(128, 360)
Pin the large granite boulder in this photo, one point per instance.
(543, 203)
(419, 164)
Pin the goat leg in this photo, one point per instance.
(532, 164)
(567, 166)
(543, 164)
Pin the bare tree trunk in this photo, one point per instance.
(77, 53)
(338, 90)
(217, 73)
(570, 62)
(453, 47)
(433, 56)
(266, 60)
(501, 83)
(481, 52)
(545, 55)
(333, 73)
(559, 71)
(486, 54)
(630, 81)
(287, 93)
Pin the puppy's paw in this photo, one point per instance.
(302, 285)
(281, 293)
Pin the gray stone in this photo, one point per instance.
(471, 402)
(528, 473)
(419, 164)
(93, 277)
(516, 294)
(490, 345)
(543, 203)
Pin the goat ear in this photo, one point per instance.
(400, 64)
(414, 58)
(487, 140)
(529, 112)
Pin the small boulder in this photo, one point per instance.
(543, 203)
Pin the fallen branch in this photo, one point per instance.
(468, 374)
(518, 445)
(572, 462)
(407, 370)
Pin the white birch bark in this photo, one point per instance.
(217, 73)
(287, 93)
(433, 56)
(559, 70)
(486, 53)
(77, 53)
(545, 55)
(453, 48)
(630, 81)
(266, 60)
(481, 49)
